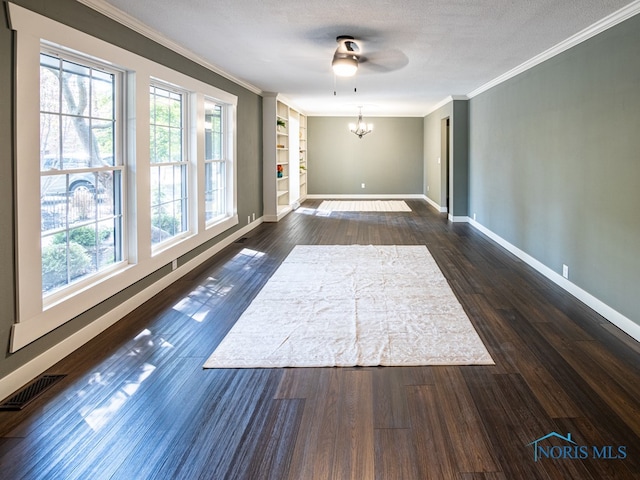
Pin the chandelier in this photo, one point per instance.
(360, 128)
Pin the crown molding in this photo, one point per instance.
(445, 101)
(136, 25)
(283, 98)
(600, 26)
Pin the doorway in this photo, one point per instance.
(444, 164)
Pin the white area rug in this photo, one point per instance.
(347, 305)
(364, 206)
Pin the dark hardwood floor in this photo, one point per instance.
(136, 403)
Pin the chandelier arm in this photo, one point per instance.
(360, 128)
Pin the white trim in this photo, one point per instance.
(611, 20)
(351, 115)
(607, 22)
(137, 26)
(445, 101)
(282, 212)
(282, 98)
(435, 205)
(417, 196)
(381, 196)
(458, 219)
(19, 377)
(32, 318)
(625, 324)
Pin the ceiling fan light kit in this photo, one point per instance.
(344, 65)
(345, 60)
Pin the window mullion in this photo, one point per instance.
(78, 183)
(42, 221)
(169, 206)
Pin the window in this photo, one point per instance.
(169, 199)
(118, 154)
(215, 161)
(81, 206)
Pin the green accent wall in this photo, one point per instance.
(388, 161)
(555, 164)
(249, 161)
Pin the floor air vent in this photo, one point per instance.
(241, 240)
(30, 392)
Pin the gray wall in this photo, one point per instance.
(459, 166)
(435, 175)
(249, 158)
(388, 161)
(434, 172)
(555, 164)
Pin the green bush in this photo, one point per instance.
(166, 222)
(54, 264)
(85, 236)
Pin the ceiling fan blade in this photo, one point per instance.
(384, 61)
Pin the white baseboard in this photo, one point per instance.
(417, 196)
(458, 219)
(381, 196)
(434, 204)
(47, 359)
(279, 216)
(625, 324)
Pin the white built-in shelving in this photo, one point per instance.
(284, 157)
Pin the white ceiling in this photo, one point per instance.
(425, 50)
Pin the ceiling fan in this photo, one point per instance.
(348, 57)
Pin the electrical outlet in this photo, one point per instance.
(254, 217)
(565, 271)
(474, 215)
(427, 188)
(362, 185)
(248, 219)
(438, 160)
(174, 264)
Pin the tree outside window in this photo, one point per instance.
(168, 164)
(215, 162)
(81, 205)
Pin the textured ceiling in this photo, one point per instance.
(420, 51)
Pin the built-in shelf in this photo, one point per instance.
(284, 151)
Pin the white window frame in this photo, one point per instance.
(34, 318)
(227, 156)
(185, 162)
(54, 297)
